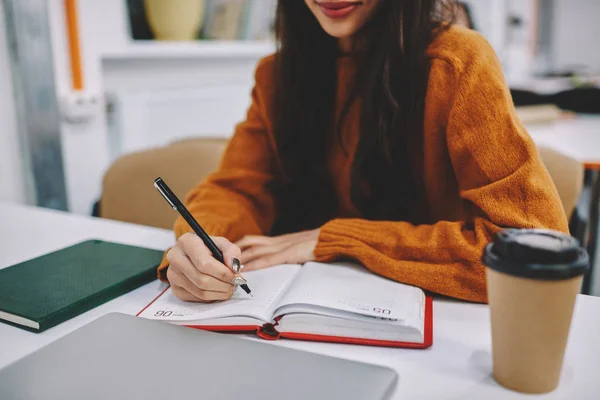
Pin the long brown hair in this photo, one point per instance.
(392, 72)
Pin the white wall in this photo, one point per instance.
(576, 31)
(488, 16)
(521, 40)
(11, 165)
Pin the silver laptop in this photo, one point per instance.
(125, 357)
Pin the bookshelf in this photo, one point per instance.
(155, 90)
(203, 20)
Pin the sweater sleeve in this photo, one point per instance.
(502, 182)
(235, 201)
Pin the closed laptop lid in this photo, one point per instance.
(125, 357)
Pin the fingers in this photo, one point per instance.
(202, 259)
(260, 251)
(183, 269)
(203, 297)
(256, 252)
(290, 252)
(254, 240)
(195, 275)
(183, 294)
(199, 295)
(268, 260)
(230, 250)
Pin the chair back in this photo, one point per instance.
(567, 174)
(128, 193)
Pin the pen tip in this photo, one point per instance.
(246, 289)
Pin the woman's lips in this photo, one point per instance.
(337, 10)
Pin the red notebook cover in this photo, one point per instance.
(269, 331)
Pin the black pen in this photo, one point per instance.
(178, 206)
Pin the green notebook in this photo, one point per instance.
(43, 292)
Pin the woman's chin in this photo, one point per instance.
(340, 32)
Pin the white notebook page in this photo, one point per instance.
(354, 289)
(267, 287)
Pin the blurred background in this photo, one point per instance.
(92, 92)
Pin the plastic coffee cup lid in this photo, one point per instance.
(537, 254)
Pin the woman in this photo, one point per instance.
(376, 133)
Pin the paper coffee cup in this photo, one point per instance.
(533, 278)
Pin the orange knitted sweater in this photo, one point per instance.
(481, 173)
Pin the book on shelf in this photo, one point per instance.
(258, 21)
(239, 19)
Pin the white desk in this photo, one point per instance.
(578, 137)
(456, 367)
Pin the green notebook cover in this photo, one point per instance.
(58, 286)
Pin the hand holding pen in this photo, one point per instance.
(202, 268)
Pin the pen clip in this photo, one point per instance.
(164, 195)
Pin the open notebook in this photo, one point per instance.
(323, 302)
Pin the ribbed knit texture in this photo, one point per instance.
(481, 173)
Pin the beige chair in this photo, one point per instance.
(567, 174)
(128, 193)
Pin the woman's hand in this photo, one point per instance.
(262, 251)
(195, 275)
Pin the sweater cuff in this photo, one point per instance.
(342, 238)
